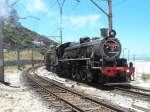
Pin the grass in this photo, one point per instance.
(12, 68)
(145, 77)
(25, 54)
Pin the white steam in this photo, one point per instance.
(4, 10)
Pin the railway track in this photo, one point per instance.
(66, 99)
(134, 90)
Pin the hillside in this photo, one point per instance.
(22, 37)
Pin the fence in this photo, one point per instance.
(13, 57)
(142, 67)
(21, 62)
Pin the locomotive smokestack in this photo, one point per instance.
(104, 32)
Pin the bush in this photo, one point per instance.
(145, 77)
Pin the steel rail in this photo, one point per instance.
(57, 96)
(134, 91)
(139, 88)
(74, 107)
(102, 104)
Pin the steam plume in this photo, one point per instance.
(4, 10)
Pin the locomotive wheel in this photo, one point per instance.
(100, 78)
(83, 76)
(89, 76)
(74, 74)
(48, 67)
(78, 76)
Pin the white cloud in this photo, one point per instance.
(36, 6)
(81, 21)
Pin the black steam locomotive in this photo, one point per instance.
(91, 60)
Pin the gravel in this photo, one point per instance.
(18, 98)
(116, 98)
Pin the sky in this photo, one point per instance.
(131, 20)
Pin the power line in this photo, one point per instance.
(74, 7)
(99, 7)
(120, 2)
(53, 4)
(77, 1)
(15, 3)
(108, 14)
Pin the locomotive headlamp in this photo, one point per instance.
(128, 70)
(112, 33)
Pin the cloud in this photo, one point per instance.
(82, 21)
(4, 9)
(37, 6)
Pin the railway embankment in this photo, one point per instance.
(117, 97)
(20, 96)
(17, 97)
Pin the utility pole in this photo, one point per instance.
(1, 52)
(53, 37)
(32, 57)
(18, 47)
(18, 56)
(108, 14)
(61, 4)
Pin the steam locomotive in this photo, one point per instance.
(91, 60)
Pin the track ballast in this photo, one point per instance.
(67, 99)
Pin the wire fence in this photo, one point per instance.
(142, 70)
(19, 57)
(142, 67)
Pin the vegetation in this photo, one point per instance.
(21, 37)
(12, 68)
(21, 41)
(146, 77)
(24, 55)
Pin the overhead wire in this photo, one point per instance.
(53, 4)
(50, 7)
(74, 7)
(119, 3)
(101, 9)
(61, 4)
(14, 3)
(71, 11)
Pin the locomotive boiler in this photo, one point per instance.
(91, 60)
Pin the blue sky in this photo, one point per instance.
(131, 20)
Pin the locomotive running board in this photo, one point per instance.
(77, 59)
(96, 67)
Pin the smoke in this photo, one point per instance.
(4, 10)
(13, 18)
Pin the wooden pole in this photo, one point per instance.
(1, 52)
(110, 15)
